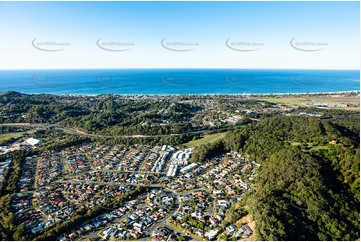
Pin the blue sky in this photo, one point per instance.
(325, 35)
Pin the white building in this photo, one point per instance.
(172, 170)
(188, 168)
(181, 157)
(33, 141)
(211, 234)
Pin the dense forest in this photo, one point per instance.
(308, 187)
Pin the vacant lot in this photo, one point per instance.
(301, 101)
(4, 137)
(206, 139)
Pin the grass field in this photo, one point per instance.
(206, 139)
(4, 137)
(300, 101)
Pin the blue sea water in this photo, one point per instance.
(178, 81)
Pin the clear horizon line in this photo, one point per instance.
(174, 68)
(199, 94)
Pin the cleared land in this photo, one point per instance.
(206, 139)
(9, 136)
(302, 101)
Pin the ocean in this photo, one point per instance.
(178, 81)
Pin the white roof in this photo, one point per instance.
(211, 233)
(33, 141)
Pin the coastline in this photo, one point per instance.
(163, 82)
(348, 92)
